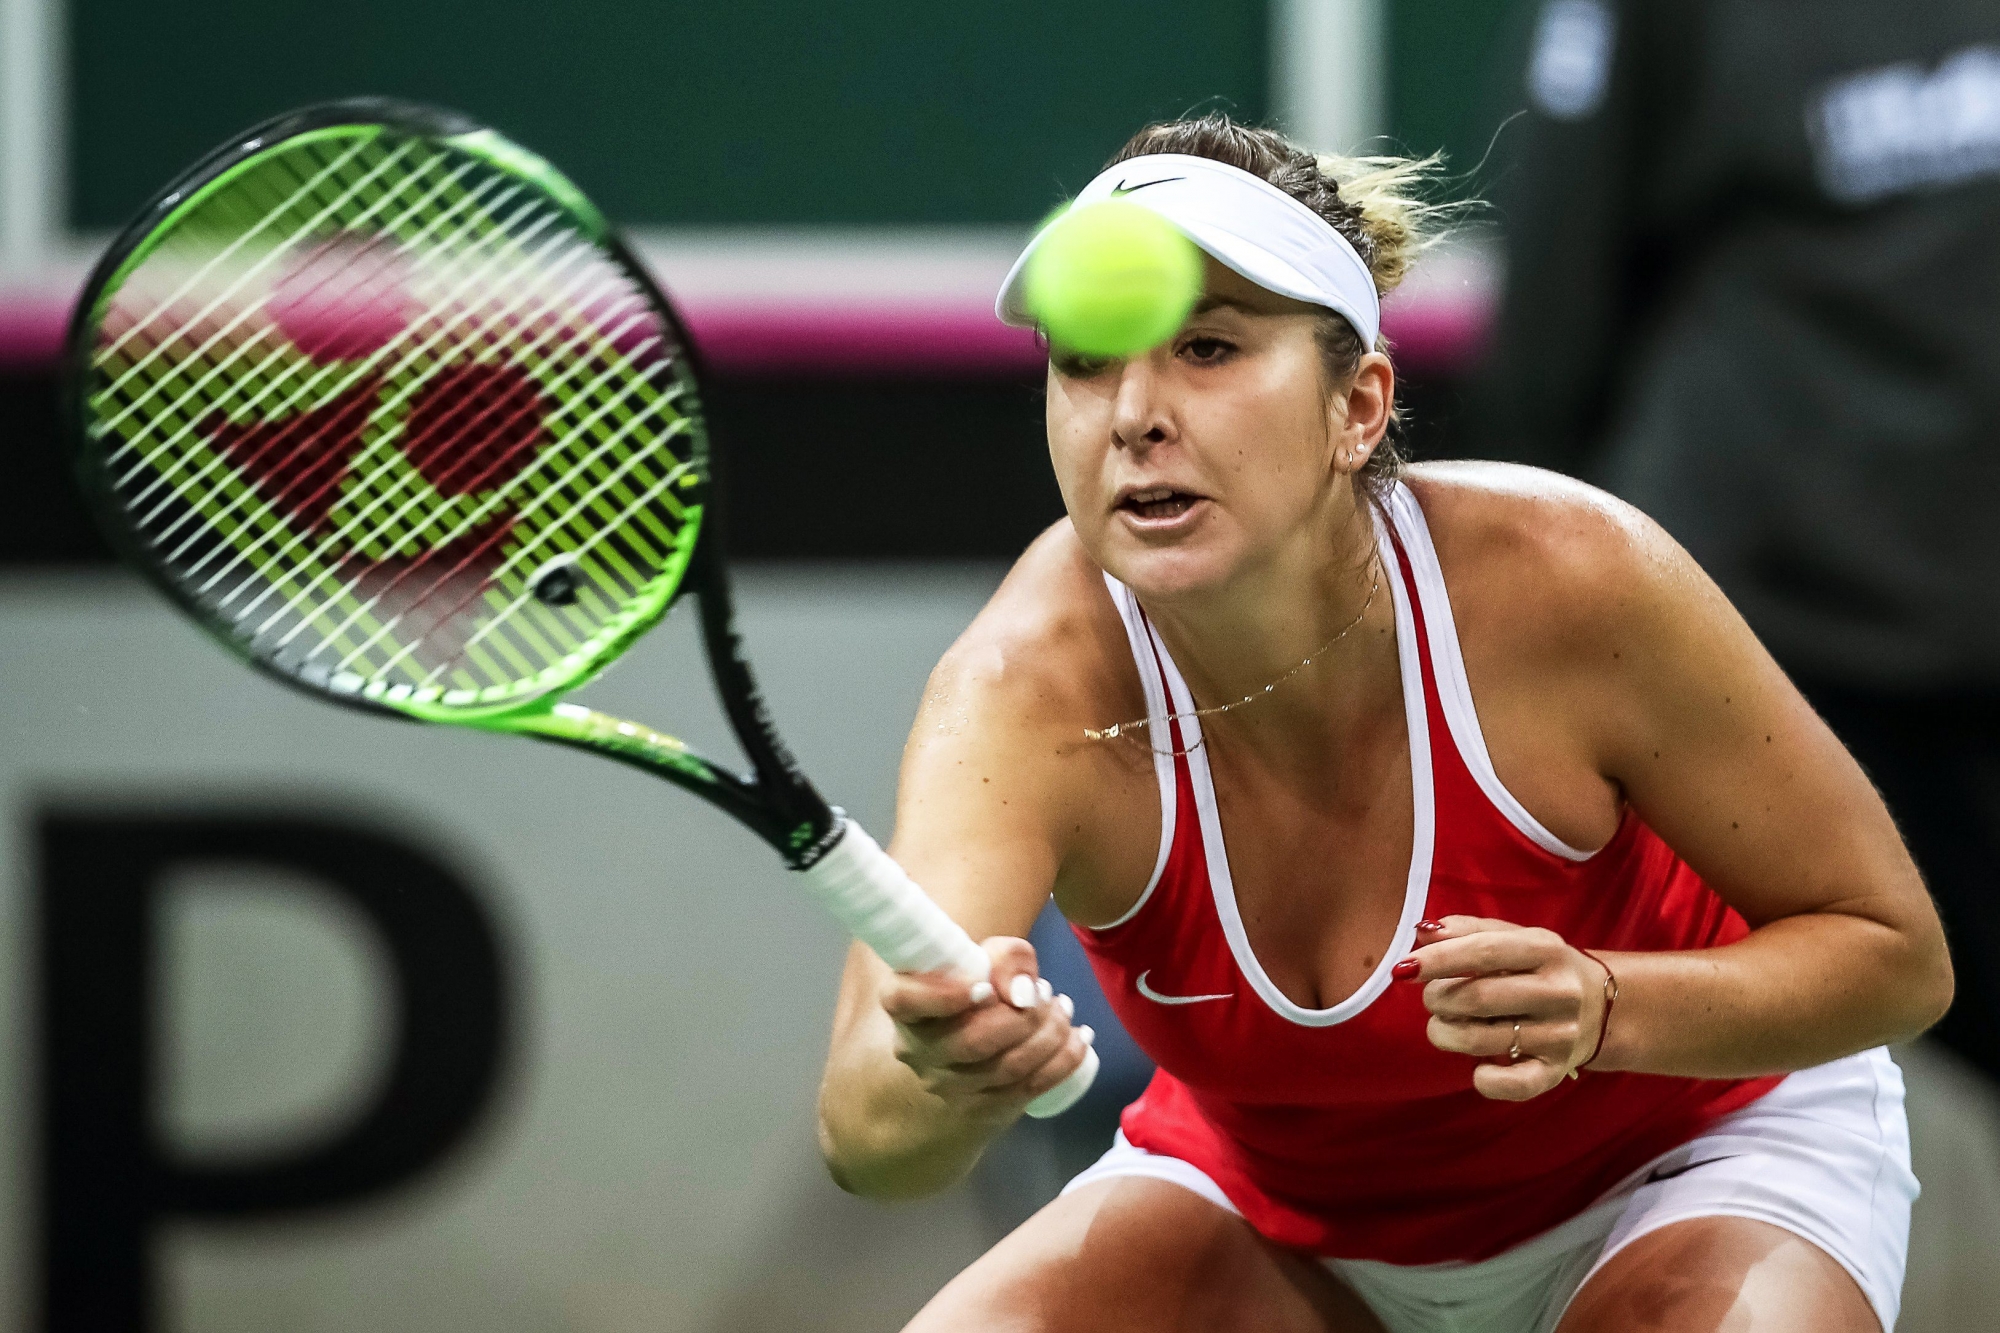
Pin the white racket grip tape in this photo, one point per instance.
(880, 905)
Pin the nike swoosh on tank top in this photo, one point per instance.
(1343, 1131)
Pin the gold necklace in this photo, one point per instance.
(1118, 729)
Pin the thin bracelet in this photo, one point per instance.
(1610, 999)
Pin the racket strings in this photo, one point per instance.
(312, 439)
(447, 539)
(271, 216)
(380, 484)
(566, 519)
(445, 577)
(197, 323)
(275, 372)
(374, 518)
(228, 369)
(563, 520)
(376, 482)
(653, 493)
(526, 351)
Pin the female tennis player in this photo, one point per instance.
(1516, 946)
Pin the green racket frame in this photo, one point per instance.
(775, 799)
(841, 866)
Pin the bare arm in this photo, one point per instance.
(1674, 701)
(923, 1072)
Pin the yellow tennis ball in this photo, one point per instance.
(1112, 279)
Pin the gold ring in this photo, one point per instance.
(1514, 1051)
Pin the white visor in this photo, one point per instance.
(1245, 223)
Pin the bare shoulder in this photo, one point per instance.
(1002, 795)
(1044, 653)
(1581, 622)
(1533, 555)
(1590, 637)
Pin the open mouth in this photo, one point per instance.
(1157, 502)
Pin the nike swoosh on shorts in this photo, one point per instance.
(1656, 1175)
(1158, 998)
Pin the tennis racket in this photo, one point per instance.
(379, 398)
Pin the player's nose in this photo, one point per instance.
(1139, 414)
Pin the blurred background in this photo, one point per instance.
(571, 1089)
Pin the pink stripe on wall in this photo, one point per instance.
(751, 339)
(913, 339)
(1445, 335)
(31, 330)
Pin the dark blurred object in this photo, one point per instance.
(1435, 411)
(816, 467)
(868, 468)
(842, 468)
(1753, 277)
(1936, 757)
(42, 522)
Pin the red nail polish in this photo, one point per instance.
(1406, 970)
(1432, 926)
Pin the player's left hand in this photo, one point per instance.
(1481, 977)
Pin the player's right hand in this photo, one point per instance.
(986, 1048)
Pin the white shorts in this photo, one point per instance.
(1825, 1155)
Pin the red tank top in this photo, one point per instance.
(1343, 1131)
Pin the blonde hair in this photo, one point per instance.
(1381, 205)
(1397, 219)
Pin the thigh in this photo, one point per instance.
(1720, 1275)
(1139, 1254)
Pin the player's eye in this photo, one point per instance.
(1077, 366)
(1203, 350)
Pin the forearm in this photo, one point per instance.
(1795, 993)
(883, 1135)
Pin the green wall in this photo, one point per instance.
(678, 111)
(1454, 74)
(738, 111)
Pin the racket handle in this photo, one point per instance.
(881, 906)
